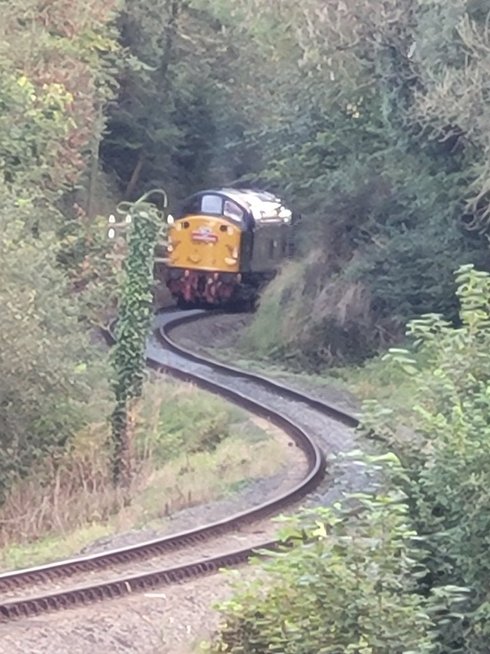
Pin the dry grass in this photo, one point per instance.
(310, 319)
(190, 448)
(314, 315)
(61, 493)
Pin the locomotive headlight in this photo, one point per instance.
(111, 233)
(170, 219)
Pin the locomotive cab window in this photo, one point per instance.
(212, 204)
(232, 210)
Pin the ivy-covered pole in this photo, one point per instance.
(145, 224)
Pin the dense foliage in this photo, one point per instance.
(56, 74)
(374, 129)
(348, 588)
(55, 63)
(428, 547)
(448, 464)
(48, 371)
(178, 118)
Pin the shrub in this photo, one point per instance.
(52, 379)
(448, 460)
(347, 585)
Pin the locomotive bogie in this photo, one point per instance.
(194, 287)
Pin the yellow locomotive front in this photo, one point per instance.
(204, 243)
(204, 251)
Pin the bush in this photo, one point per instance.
(448, 461)
(347, 585)
(52, 380)
(357, 585)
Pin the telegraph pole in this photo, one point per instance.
(145, 226)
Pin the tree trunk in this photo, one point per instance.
(135, 176)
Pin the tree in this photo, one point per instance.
(51, 377)
(55, 76)
(452, 50)
(382, 168)
(57, 73)
(179, 116)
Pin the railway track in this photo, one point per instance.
(194, 552)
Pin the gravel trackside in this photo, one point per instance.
(170, 620)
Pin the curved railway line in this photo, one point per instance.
(199, 551)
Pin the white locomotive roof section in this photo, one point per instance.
(264, 207)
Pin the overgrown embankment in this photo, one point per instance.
(405, 568)
(55, 76)
(386, 155)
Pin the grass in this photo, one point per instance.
(272, 324)
(49, 548)
(377, 378)
(190, 448)
(186, 481)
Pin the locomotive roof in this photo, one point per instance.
(261, 204)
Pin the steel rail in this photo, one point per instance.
(340, 415)
(80, 596)
(23, 607)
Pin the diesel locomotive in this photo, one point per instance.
(225, 244)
